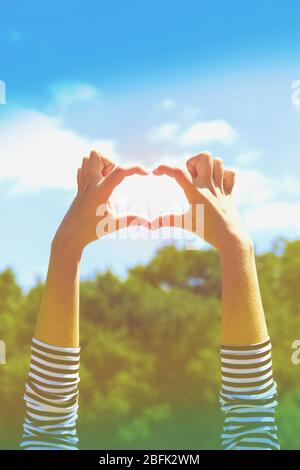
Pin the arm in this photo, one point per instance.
(58, 319)
(248, 395)
(248, 390)
(52, 388)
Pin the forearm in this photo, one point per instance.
(248, 395)
(243, 319)
(58, 318)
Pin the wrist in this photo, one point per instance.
(65, 248)
(237, 248)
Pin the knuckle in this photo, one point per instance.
(205, 153)
(192, 160)
(118, 171)
(204, 156)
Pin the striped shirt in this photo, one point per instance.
(248, 398)
(51, 398)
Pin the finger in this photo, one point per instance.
(108, 166)
(99, 166)
(168, 220)
(95, 164)
(116, 176)
(134, 170)
(201, 169)
(84, 171)
(180, 177)
(132, 221)
(228, 181)
(79, 178)
(218, 173)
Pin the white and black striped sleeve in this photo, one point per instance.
(51, 398)
(248, 398)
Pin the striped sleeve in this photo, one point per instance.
(248, 398)
(51, 398)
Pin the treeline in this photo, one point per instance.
(150, 373)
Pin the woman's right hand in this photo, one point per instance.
(210, 186)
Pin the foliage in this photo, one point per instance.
(150, 368)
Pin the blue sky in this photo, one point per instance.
(149, 82)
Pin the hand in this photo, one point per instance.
(210, 185)
(90, 215)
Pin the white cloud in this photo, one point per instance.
(249, 157)
(295, 98)
(67, 93)
(164, 133)
(253, 187)
(167, 104)
(198, 133)
(277, 216)
(290, 185)
(265, 203)
(207, 131)
(36, 152)
(185, 111)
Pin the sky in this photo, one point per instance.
(148, 83)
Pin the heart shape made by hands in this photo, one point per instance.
(152, 200)
(208, 185)
(149, 197)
